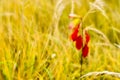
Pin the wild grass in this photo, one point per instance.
(35, 43)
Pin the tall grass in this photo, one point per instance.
(35, 44)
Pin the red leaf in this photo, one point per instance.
(74, 35)
(79, 42)
(87, 37)
(85, 50)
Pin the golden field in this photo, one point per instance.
(35, 39)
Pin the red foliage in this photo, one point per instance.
(79, 42)
(74, 35)
(85, 50)
(87, 37)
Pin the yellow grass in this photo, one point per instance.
(35, 43)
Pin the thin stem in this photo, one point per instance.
(95, 74)
(81, 60)
(72, 6)
(81, 66)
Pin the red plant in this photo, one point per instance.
(87, 37)
(85, 50)
(74, 35)
(79, 40)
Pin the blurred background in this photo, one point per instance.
(35, 39)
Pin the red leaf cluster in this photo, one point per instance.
(78, 39)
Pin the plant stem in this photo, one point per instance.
(81, 60)
(81, 66)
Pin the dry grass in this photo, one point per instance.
(35, 44)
